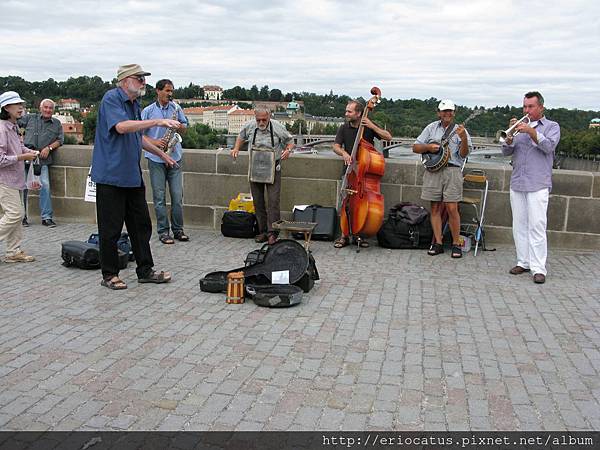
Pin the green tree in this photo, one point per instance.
(253, 93)
(275, 95)
(264, 93)
(89, 126)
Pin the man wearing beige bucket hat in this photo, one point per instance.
(116, 170)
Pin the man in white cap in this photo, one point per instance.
(444, 188)
(120, 191)
(12, 176)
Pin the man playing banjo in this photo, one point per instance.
(444, 186)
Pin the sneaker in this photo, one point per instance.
(48, 223)
(24, 222)
(19, 257)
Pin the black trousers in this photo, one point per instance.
(115, 205)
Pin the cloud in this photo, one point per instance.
(477, 53)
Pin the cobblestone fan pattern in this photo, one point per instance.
(388, 339)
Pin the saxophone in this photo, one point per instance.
(171, 137)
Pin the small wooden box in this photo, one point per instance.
(235, 287)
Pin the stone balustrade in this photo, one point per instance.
(211, 179)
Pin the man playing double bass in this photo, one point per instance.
(344, 141)
(444, 188)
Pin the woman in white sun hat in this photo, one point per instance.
(12, 176)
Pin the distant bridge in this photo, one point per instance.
(312, 140)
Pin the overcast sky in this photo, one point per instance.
(473, 52)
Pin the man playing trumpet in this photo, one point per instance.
(532, 144)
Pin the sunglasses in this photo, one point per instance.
(140, 78)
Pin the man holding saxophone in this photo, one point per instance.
(162, 174)
(531, 141)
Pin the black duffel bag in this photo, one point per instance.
(407, 226)
(80, 254)
(86, 256)
(239, 224)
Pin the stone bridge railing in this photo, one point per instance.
(211, 179)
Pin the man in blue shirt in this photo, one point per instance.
(161, 173)
(120, 193)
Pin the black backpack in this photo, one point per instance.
(123, 244)
(407, 226)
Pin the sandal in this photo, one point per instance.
(114, 283)
(166, 239)
(456, 252)
(181, 236)
(435, 249)
(363, 243)
(156, 277)
(341, 242)
(260, 238)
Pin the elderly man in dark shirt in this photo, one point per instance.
(43, 133)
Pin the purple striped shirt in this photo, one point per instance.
(12, 171)
(532, 163)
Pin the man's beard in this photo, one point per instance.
(262, 127)
(137, 92)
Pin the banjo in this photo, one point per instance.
(438, 160)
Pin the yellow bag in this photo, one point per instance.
(243, 202)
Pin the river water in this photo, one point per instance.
(491, 155)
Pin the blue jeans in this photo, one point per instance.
(160, 175)
(45, 201)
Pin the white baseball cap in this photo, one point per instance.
(446, 104)
(10, 98)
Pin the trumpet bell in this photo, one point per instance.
(502, 135)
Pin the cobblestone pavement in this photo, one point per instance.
(386, 340)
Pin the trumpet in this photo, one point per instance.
(501, 135)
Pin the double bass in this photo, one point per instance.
(360, 202)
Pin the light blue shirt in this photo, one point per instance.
(157, 111)
(532, 163)
(433, 134)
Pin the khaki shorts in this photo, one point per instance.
(443, 186)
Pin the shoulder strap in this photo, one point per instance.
(449, 130)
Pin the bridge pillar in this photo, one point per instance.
(379, 144)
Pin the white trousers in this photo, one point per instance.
(11, 229)
(529, 212)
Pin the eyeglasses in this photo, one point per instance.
(140, 78)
